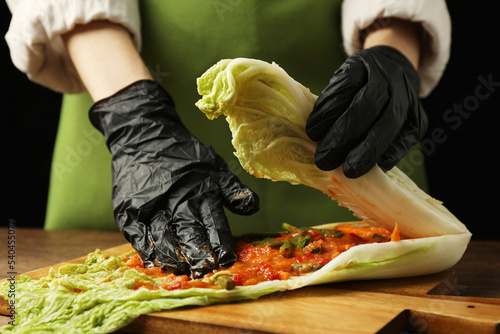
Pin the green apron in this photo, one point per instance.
(182, 39)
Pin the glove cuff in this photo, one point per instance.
(119, 103)
(139, 112)
(400, 58)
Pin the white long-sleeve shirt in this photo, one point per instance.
(36, 48)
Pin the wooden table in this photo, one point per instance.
(473, 282)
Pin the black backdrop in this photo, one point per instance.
(460, 149)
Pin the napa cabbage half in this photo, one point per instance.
(266, 110)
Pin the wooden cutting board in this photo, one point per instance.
(424, 304)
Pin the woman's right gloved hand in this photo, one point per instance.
(369, 114)
(169, 189)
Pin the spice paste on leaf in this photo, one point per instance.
(272, 256)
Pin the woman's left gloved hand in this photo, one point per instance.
(169, 189)
(370, 113)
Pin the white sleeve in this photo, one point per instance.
(34, 35)
(358, 15)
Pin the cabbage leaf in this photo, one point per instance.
(267, 111)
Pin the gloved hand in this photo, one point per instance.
(370, 113)
(168, 188)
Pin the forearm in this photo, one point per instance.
(402, 35)
(105, 57)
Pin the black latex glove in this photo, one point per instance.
(168, 188)
(370, 113)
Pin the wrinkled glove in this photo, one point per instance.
(370, 113)
(169, 190)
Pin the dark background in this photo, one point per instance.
(461, 165)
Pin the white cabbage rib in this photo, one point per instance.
(267, 110)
